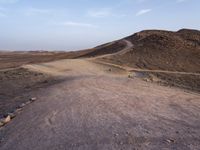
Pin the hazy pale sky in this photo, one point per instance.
(79, 24)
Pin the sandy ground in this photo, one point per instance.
(99, 107)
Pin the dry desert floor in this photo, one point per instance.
(96, 106)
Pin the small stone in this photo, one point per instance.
(7, 119)
(147, 80)
(18, 110)
(116, 134)
(33, 99)
(130, 75)
(28, 102)
(12, 115)
(1, 124)
(127, 132)
(46, 81)
(22, 105)
(170, 140)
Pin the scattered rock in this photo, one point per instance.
(127, 132)
(28, 102)
(116, 134)
(22, 105)
(131, 75)
(7, 119)
(46, 81)
(147, 79)
(110, 69)
(147, 143)
(18, 110)
(170, 140)
(155, 79)
(1, 124)
(12, 115)
(33, 99)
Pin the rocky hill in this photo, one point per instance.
(158, 50)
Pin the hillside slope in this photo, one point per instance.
(108, 48)
(160, 50)
(163, 50)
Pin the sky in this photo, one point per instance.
(80, 24)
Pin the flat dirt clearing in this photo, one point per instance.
(99, 107)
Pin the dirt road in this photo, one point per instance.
(98, 107)
(130, 69)
(127, 48)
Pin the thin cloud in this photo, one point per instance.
(2, 14)
(181, 1)
(2, 9)
(141, 1)
(143, 11)
(100, 13)
(36, 11)
(77, 24)
(8, 1)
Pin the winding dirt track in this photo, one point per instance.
(130, 69)
(99, 109)
(129, 45)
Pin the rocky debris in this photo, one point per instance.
(170, 140)
(10, 116)
(22, 105)
(18, 110)
(127, 132)
(46, 81)
(28, 102)
(33, 99)
(7, 119)
(130, 75)
(155, 79)
(147, 80)
(1, 123)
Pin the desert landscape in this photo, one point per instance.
(139, 92)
